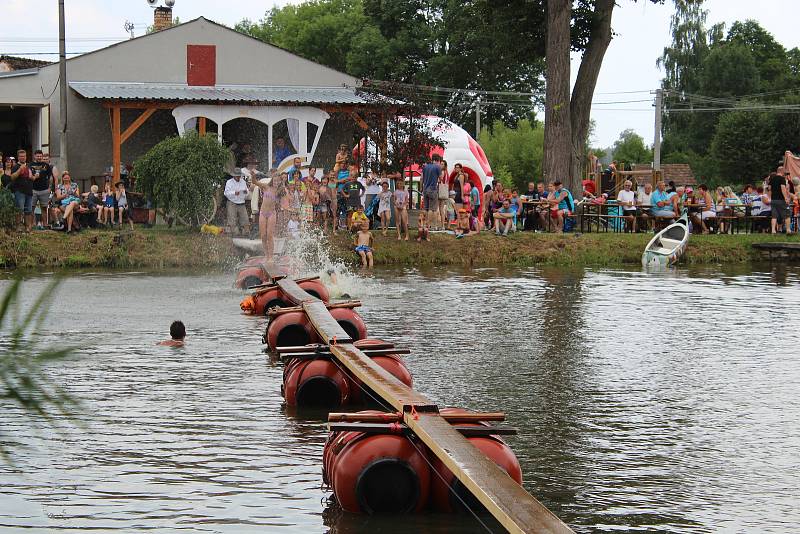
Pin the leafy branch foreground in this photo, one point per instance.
(22, 380)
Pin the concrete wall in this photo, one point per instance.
(161, 58)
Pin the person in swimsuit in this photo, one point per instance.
(401, 210)
(363, 242)
(324, 204)
(267, 215)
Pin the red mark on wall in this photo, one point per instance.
(201, 64)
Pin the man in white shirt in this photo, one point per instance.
(236, 191)
(644, 205)
(626, 199)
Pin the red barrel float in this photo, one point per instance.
(391, 362)
(269, 298)
(315, 288)
(250, 276)
(351, 322)
(377, 473)
(290, 329)
(315, 383)
(448, 494)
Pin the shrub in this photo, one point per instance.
(182, 174)
(8, 210)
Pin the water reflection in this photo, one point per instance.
(662, 402)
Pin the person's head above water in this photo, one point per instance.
(177, 331)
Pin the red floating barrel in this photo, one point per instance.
(250, 276)
(267, 299)
(351, 322)
(376, 473)
(448, 494)
(315, 288)
(290, 329)
(391, 362)
(314, 383)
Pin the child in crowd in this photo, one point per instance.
(177, 333)
(293, 226)
(463, 223)
(449, 209)
(358, 219)
(401, 210)
(385, 206)
(422, 228)
(363, 242)
(122, 203)
(105, 213)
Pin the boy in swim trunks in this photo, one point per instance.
(363, 242)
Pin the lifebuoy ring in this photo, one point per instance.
(290, 329)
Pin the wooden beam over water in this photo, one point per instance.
(516, 509)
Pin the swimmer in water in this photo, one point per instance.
(178, 333)
(335, 282)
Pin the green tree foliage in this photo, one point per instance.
(741, 140)
(744, 68)
(182, 174)
(22, 381)
(630, 148)
(474, 44)
(515, 153)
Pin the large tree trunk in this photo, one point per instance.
(582, 93)
(557, 128)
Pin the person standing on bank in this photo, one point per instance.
(42, 174)
(779, 201)
(430, 187)
(236, 191)
(22, 187)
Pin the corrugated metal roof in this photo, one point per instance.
(219, 93)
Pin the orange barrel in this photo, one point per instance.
(448, 494)
(351, 322)
(267, 299)
(250, 276)
(314, 383)
(291, 329)
(391, 362)
(377, 473)
(315, 288)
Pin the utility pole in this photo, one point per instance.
(62, 81)
(477, 118)
(657, 138)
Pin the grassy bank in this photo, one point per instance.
(525, 248)
(144, 249)
(163, 248)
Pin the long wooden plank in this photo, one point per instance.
(396, 417)
(516, 509)
(389, 428)
(295, 293)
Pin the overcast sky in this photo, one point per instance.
(630, 64)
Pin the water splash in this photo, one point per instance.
(308, 254)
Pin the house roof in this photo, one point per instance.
(218, 93)
(14, 63)
(680, 173)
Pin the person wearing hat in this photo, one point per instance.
(236, 190)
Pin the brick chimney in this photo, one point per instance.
(162, 18)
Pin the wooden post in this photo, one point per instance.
(116, 141)
(201, 125)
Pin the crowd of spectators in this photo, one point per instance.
(48, 199)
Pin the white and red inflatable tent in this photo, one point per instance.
(459, 147)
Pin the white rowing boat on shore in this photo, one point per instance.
(668, 245)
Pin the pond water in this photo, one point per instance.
(658, 402)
